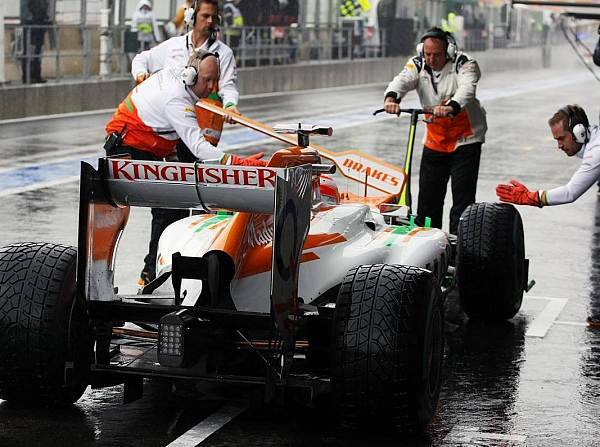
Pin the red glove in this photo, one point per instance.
(252, 160)
(518, 193)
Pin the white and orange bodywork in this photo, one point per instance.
(347, 229)
(340, 237)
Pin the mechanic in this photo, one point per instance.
(174, 52)
(445, 80)
(154, 116)
(575, 137)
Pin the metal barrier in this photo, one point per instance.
(41, 52)
(58, 52)
(61, 52)
(278, 45)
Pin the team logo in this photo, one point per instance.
(147, 171)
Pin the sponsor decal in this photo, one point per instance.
(133, 170)
(364, 170)
(418, 63)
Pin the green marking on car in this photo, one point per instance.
(213, 220)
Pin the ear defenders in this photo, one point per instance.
(189, 75)
(438, 33)
(189, 15)
(577, 123)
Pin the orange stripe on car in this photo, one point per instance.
(320, 240)
(104, 229)
(258, 260)
(230, 239)
(415, 232)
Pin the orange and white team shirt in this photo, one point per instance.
(456, 81)
(157, 113)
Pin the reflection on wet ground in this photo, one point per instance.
(594, 304)
(502, 387)
(483, 368)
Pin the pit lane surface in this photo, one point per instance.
(533, 380)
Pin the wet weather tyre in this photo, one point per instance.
(491, 261)
(44, 331)
(388, 343)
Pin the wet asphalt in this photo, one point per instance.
(504, 384)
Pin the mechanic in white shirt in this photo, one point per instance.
(174, 52)
(150, 121)
(575, 137)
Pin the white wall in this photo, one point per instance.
(11, 9)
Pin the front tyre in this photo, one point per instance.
(491, 265)
(44, 329)
(388, 345)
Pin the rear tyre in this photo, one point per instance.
(388, 346)
(44, 329)
(491, 261)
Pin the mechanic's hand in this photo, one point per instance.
(442, 111)
(141, 77)
(518, 193)
(229, 119)
(391, 106)
(252, 160)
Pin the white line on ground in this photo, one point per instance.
(49, 184)
(541, 324)
(28, 162)
(210, 425)
(472, 435)
(56, 116)
(571, 323)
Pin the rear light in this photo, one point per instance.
(175, 332)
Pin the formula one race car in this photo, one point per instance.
(301, 274)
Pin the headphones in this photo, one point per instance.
(189, 75)
(577, 123)
(445, 36)
(189, 15)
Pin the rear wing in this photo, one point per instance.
(368, 171)
(107, 194)
(162, 184)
